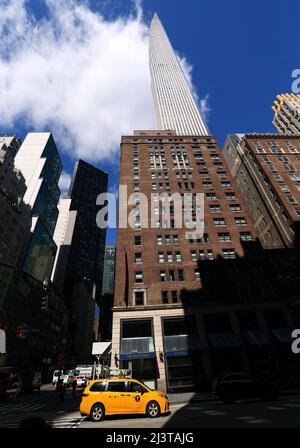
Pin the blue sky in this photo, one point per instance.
(242, 53)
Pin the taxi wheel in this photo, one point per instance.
(97, 412)
(153, 409)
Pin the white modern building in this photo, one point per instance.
(287, 114)
(40, 164)
(63, 236)
(174, 104)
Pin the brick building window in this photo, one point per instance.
(197, 274)
(230, 196)
(164, 296)
(235, 207)
(169, 257)
(291, 199)
(211, 196)
(137, 240)
(194, 255)
(138, 277)
(215, 208)
(161, 257)
(246, 236)
(139, 298)
(224, 236)
(163, 276)
(219, 222)
(174, 296)
(172, 277)
(226, 184)
(240, 221)
(202, 254)
(180, 275)
(229, 253)
(210, 255)
(138, 257)
(178, 257)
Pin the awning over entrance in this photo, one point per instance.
(282, 334)
(257, 337)
(172, 354)
(224, 340)
(131, 356)
(101, 348)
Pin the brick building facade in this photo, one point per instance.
(160, 335)
(266, 170)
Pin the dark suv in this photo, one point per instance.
(231, 387)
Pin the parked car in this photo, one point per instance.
(66, 379)
(112, 396)
(231, 387)
(81, 381)
(56, 374)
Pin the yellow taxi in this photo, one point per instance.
(109, 396)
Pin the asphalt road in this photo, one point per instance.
(283, 413)
(280, 414)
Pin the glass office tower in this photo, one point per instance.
(40, 164)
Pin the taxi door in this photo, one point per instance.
(136, 397)
(115, 397)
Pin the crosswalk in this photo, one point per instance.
(21, 407)
(60, 422)
(67, 422)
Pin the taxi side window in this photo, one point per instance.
(116, 386)
(135, 387)
(98, 387)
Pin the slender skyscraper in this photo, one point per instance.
(175, 107)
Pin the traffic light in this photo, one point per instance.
(44, 303)
(20, 332)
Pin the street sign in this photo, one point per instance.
(2, 341)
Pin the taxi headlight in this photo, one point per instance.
(163, 396)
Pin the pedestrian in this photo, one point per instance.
(74, 385)
(59, 385)
(62, 391)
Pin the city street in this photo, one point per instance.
(283, 413)
(45, 404)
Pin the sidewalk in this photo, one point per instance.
(189, 397)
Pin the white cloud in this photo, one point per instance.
(202, 103)
(84, 78)
(205, 108)
(64, 182)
